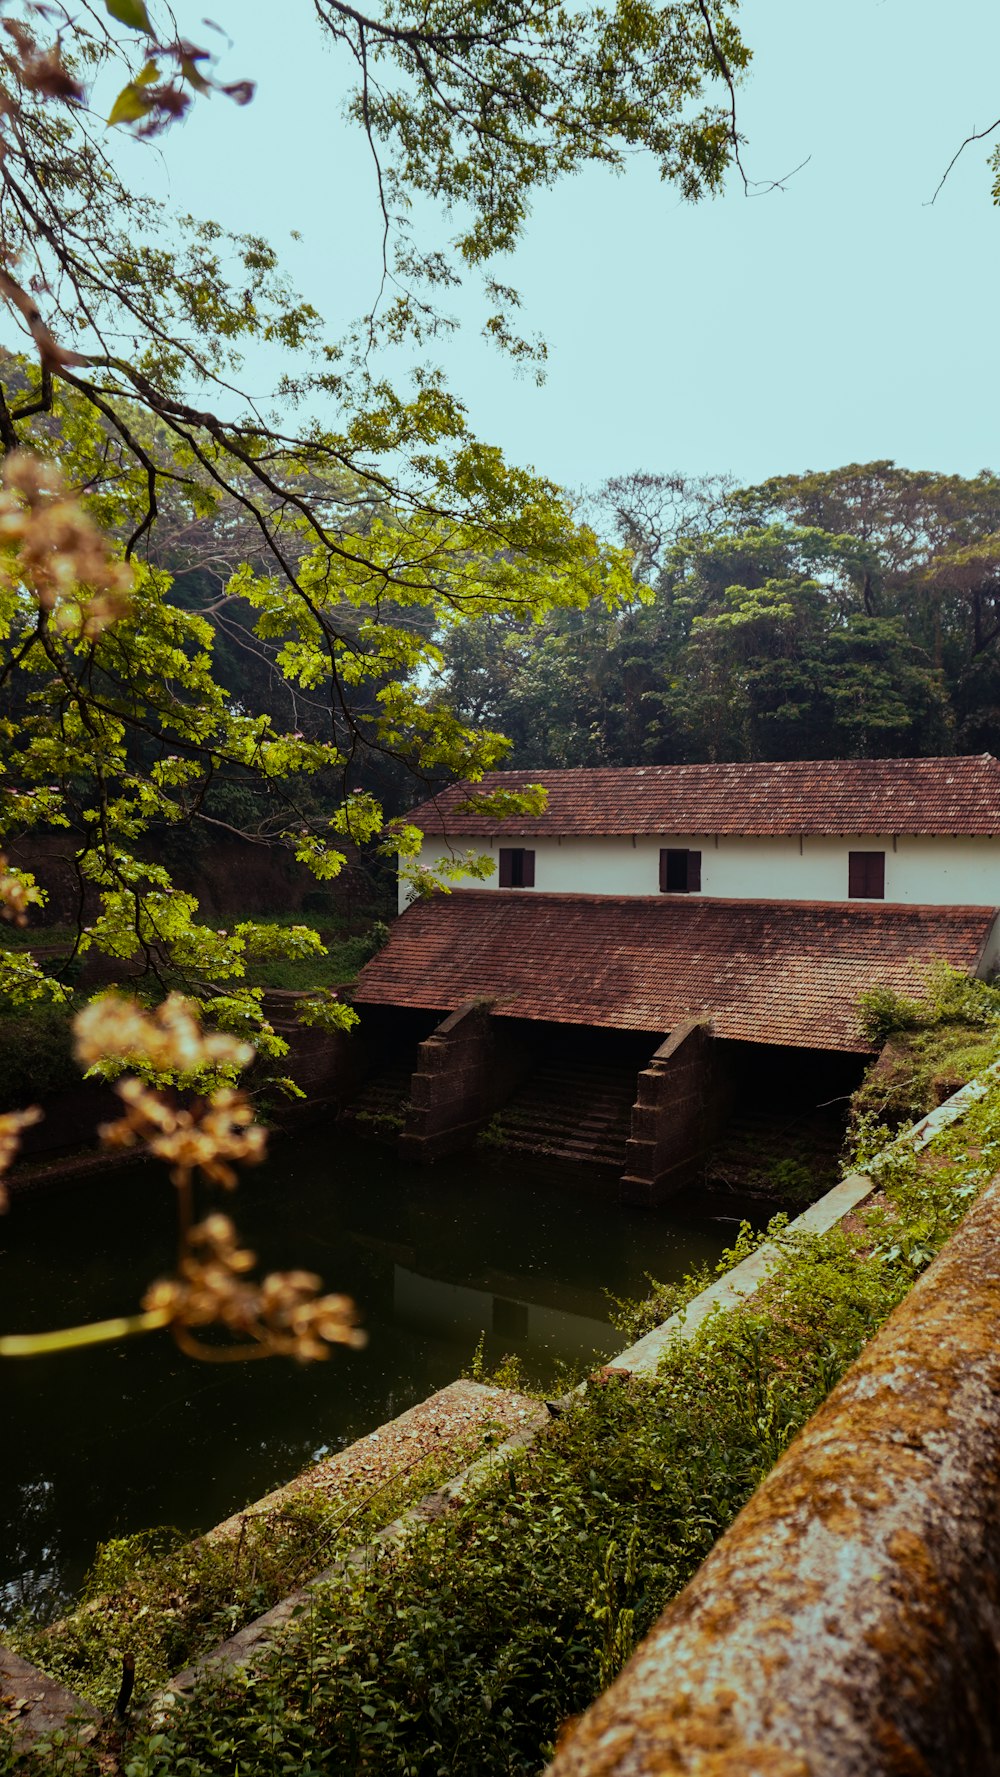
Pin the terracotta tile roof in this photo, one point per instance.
(768, 972)
(790, 796)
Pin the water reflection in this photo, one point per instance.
(430, 1306)
(102, 1442)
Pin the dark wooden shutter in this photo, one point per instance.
(866, 875)
(527, 869)
(694, 872)
(663, 871)
(506, 867)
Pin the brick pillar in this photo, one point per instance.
(675, 1117)
(465, 1070)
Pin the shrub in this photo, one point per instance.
(951, 998)
(36, 1054)
(929, 1047)
(882, 1013)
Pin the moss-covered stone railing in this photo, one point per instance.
(849, 1621)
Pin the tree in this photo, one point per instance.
(804, 619)
(335, 553)
(920, 547)
(362, 534)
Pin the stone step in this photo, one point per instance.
(538, 1087)
(572, 1102)
(598, 1153)
(381, 1097)
(757, 1131)
(559, 1070)
(575, 1112)
(542, 1104)
(553, 1125)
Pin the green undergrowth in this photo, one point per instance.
(346, 954)
(919, 1069)
(467, 1651)
(929, 1046)
(36, 1052)
(165, 1599)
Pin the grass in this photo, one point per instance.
(346, 951)
(166, 1599)
(467, 1651)
(919, 1069)
(45, 939)
(338, 968)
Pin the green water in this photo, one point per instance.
(102, 1442)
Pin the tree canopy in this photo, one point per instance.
(346, 541)
(848, 614)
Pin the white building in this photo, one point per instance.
(908, 831)
(699, 908)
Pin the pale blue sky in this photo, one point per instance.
(841, 319)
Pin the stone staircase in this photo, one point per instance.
(577, 1110)
(755, 1140)
(379, 1109)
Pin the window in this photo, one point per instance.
(517, 867)
(680, 872)
(866, 875)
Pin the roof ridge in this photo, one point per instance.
(945, 794)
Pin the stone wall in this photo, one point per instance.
(326, 1065)
(682, 1097)
(465, 1070)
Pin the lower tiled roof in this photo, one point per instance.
(768, 972)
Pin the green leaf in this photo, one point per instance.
(130, 12)
(131, 103)
(189, 69)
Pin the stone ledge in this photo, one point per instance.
(393, 1448)
(32, 1705)
(847, 1624)
(463, 1404)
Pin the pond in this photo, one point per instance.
(103, 1442)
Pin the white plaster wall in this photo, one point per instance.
(936, 871)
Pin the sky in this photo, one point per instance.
(840, 319)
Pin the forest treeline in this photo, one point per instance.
(847, 614)
(851, 613)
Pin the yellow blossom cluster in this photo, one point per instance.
(283, 1315)
(204, 1137)
(16, 895)
(48, 543)
(166, 1040)
(11, 1125)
